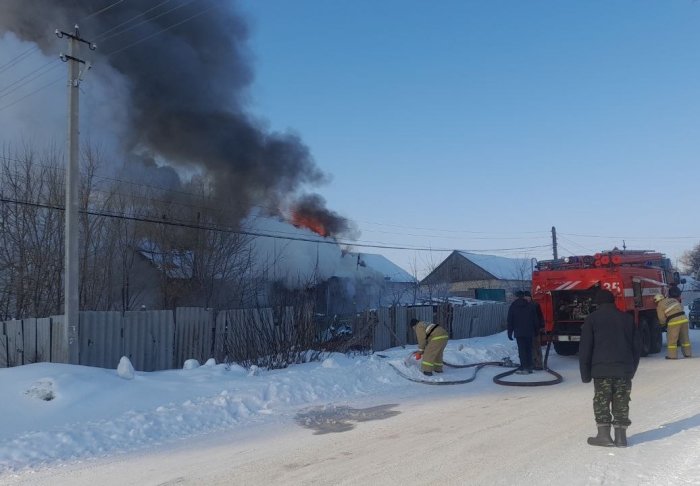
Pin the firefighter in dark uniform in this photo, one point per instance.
(432, 340)
(609, 354)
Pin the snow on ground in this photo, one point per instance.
(64, 412)
(77, 425)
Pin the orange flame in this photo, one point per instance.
(306, 221)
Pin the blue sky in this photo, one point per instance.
(481, 124)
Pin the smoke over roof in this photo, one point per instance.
(187, 68)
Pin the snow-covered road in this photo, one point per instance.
(472, 434)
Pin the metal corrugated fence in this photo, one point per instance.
(478, 320)
(101, 342)
(149, 339)
(194, 329)
(159, 340)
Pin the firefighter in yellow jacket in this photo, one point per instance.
(432, 340)
(671, 314)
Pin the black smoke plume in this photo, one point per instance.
(187, 67)
(310, 211)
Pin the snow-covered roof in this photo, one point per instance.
(384, 266)
(691, 284)
(456, 301)
(175, 264)
(502, 268)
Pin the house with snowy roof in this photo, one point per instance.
(366, 281)
(486, 277)
(690, 290)
(347, 284)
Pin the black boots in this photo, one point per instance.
(621, 436)
(603, 438)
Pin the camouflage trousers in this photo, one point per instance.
(612, 394)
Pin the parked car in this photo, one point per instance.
(694, 315)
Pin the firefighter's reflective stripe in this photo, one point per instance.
(437, 338)
(673, 308)
(686, 345)
(672, 346)
(428, 363)
(678, 322)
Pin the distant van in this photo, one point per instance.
(694, 316)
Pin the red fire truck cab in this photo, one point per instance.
(564, 289)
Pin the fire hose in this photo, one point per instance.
(476, 366)
(498, 379)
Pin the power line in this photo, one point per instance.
(256, 233)
(145, 21)
(7, 89)
(635, 237)
(565, 249)
(31, 93)
(102, 10)
(128, 46)
(18, 58)
(267, 208)
(451, 230)
(575, 244)
(100, 36)
(461, 237)
(107, 54)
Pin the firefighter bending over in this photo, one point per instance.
(671, 314)
(432, 340)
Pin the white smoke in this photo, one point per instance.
(296, 262)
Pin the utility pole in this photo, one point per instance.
(71, 268)
(554, 242)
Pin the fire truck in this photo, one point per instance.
(564, 289)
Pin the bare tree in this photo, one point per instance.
(32, 233)
(691, 261)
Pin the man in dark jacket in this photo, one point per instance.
(536, 343)
(609, 354)
(523, 323)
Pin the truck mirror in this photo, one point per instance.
(676, 278)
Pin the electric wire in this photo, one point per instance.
(107, 54)
(12, 103)
(161, 31)
(276, 209)
(100, 36)
(449, 230)
(103, 38)
(7, 89)
(633, 237)
(565, 249)
(102, 10)
(575, 244)
(276, 235)
(18, 58)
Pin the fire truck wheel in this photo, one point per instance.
(657, 338)
(646, 337)
(652, 336)
(565, 349)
